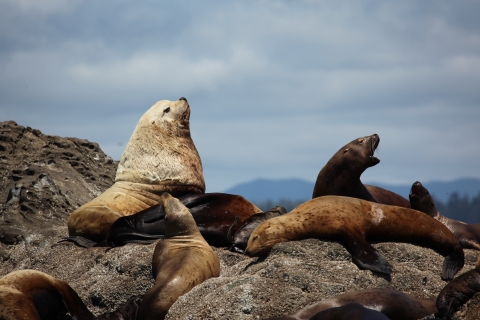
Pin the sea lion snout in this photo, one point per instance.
(182, 98)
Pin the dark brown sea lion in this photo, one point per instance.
(160, 157)
(350, 311)
(394, 304)
(354, 223)
(341, 175)
(182, 260)
(458, 291)
(239, 239)
(467, 234)
(34, 295)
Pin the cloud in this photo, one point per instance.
(276, 87)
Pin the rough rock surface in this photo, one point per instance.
(44, 178)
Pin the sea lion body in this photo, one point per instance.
(34, 295)
(341, 175)
(354, 223)
(160, 157)
(467, 234)
(458, 291)
(181, 261)
(394, 304)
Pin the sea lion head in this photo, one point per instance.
(178, 219)
(170, 116)
(421, 200)
(355, 157)
(259, 243)
(161, 150)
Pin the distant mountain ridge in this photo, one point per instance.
(260, 190)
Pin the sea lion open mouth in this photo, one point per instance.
(414, 190)
(373, 146)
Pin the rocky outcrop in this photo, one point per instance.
(44, 178)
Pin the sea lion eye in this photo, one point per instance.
(361, 140)
(345, 151)
(166, 110)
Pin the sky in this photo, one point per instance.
(275, 87)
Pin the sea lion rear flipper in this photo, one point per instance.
(451, 265)
(195, 199)
(363, 254)
(84, 242)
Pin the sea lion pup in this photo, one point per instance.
(160, 157)
(467, 234)
(392, 303)
(180, 262)
(341, 175)
(239, 239)
(352, 222)
(458, 291)
(350, 311)
(34, 295)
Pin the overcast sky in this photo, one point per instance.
(275, 87)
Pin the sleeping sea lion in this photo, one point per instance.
(341, 175)
(239, 239)
(394, 304)
(182, 260)
(467, 234)
(352, 222)
(458, 291)
(160, 157)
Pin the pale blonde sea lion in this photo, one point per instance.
(160, 157)
(180, 262)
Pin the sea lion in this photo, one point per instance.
(239, 239)
(467, 234)
(457, 292)
(352, 222)
(160, 157)
(34, 295)
(394, 304)
(350, 311)
(182, 260)
(341, 175)
(214, 214)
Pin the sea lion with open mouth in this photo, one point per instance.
(341, 175)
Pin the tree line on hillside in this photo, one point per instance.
(462, 208)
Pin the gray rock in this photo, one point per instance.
(44, 178)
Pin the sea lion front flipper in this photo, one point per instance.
(363, 254)
(146, 226)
